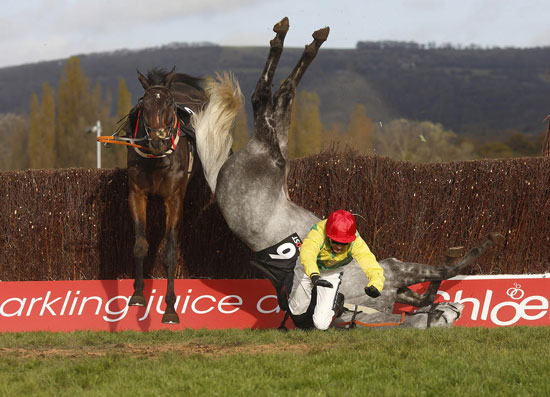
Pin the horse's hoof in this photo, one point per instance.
(282, 328)
(455, 252)
(137, 300)
(496, 238)
(321, 34)
(170, 318)
(281, 27)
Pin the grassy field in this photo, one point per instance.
(404, 362)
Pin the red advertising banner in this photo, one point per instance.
(490, 301)
(497, 301)
(103, 305)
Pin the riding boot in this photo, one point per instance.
(303, 321)
(338, 305)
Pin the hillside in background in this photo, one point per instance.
(480, 92)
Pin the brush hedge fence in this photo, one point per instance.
(73, 224)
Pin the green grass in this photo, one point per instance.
(434, 362)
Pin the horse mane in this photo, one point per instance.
(195, 82)
(157, 76)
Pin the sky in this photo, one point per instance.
(40, 30)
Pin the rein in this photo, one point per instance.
(134, 142)
(147, 137)
(109, 139)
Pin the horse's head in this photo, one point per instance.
(158, 112)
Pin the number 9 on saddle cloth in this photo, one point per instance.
(277, 263)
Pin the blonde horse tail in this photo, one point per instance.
(213, 125)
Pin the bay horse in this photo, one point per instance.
(161, 166)
(250, 188)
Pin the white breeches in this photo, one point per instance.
(300, 296)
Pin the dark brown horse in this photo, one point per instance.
(160, 123)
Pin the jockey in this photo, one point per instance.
(330, 245)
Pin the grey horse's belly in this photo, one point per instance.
(262, 226)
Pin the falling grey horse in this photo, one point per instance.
(251, 190)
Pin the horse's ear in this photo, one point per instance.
(170, 77)
(145, 83)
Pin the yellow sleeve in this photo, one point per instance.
(368, 263)
(311, 246)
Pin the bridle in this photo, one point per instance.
(141, 144)
(161, 132)
(166, 134)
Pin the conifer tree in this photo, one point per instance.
(360, 131)
(241, 132)
(115, 155)
(334, 138)
(124, 99)
(34, 132)
(75, 113)
(305, 126)
(41, 148)
(48, 117)
(13, 135)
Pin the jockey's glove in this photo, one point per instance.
(372, 291)
(319, 282)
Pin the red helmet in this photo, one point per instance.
(341, 226)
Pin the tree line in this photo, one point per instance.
(399, 139)
(53, 135)
(468, 90)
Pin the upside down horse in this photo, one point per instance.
(250, 188)
(161, 165)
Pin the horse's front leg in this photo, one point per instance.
(174, 212)
(261, 98)
(137, 201)
(409, 297)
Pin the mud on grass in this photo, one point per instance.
(214, 343)
(136, 350)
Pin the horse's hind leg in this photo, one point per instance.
(174, 212)
(285, 94)
(409, 297)
(138, 208)
(261, 98)
(493, 239)
(448, 270)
